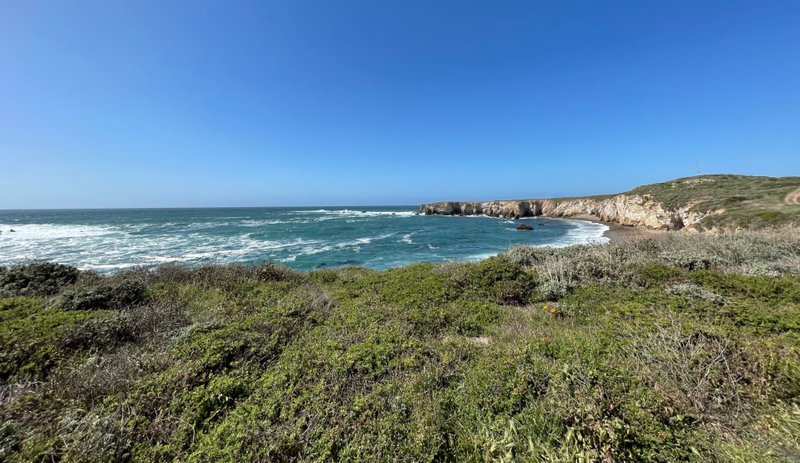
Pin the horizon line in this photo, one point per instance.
(197, 207)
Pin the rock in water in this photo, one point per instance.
(522, 226)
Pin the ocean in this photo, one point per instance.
(108, 240)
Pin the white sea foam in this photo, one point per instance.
(205, 225)
(582, 232)
(481, 256)
(51, 231)
(261, 223)
(385, 213)
(107, 248)
(284, 236)
(359, 213)
(321, 247)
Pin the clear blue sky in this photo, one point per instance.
(158, 103)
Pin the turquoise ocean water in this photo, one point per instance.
(302, 238)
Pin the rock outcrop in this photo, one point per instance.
(631, 210)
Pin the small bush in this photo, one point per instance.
(274, 272)
(702, 374)
(113, 294)
(529, 255)
(773, 438)
(774, 217)
(96, 333)
(690, 261)
(326, 276)
(156, 320)
(472, 318)
(415, 287)
(554, 290)
(694, 291)
(498, 279)
(761, 269)
(228, 278)
(96, 436)
(10, 439)
(727, 202)
(36, 279)
(35, 340)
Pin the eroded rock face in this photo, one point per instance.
(632, 210)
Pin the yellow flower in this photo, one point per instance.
(552, 310)
(545, 307)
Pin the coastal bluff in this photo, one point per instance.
(709, 203)
(631, 210)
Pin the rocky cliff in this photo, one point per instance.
(632, 210)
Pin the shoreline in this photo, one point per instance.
(618, 233)
(204, 253)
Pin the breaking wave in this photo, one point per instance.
(106, 241)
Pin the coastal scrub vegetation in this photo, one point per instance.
(673, 348)
(742, 201)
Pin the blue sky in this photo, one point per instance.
(163, 104)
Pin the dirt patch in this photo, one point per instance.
(793, 198)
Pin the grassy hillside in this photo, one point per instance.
(680, 348)
(747, 201)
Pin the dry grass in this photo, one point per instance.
(708, 374)
(766, 252)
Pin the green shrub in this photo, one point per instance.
(112, 293)
(415, 287)
(498, 279)
(228, 278)
(474, 318)
(96, 333)
(10, 438)
(275, 272)
(774, 217)
(730, 201)
(37, 340)
(36, 279)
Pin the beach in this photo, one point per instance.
(617, 233)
